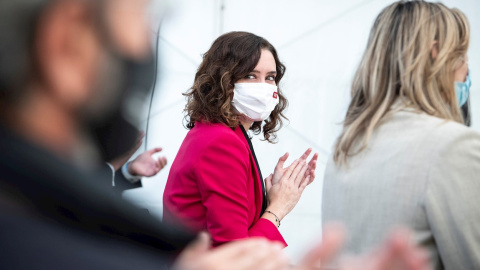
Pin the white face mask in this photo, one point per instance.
(255, 100)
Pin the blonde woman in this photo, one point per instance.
(404, 156)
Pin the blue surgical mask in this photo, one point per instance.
(462, 90)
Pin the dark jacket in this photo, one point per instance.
(55, 216)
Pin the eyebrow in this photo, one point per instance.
(270, 72)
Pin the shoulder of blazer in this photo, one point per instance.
(445, 131)
(219, 133)
(433, 137)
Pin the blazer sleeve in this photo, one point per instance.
(222, 171)
(452, 202)
(105, 175)
(122, 183)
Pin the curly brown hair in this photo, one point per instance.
(232, 57)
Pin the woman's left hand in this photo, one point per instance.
(274, 178)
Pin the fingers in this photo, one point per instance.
(290, 169)
(200, 245)
(306, 154)
(301, 174)
(161, 163)
(415, 258)
(281, 161)
(400, 252)
(154, 150)
(311, 177)
(313, 161)
(253, 254)
(312, 166)
(297, 171)
(397, 252)
(305, 183)
(272, 259)
(311, 174)
(333, 238)
(193, 252)
(268, 182)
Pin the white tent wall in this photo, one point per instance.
(320, 42)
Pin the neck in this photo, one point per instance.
(39, 119)
(246, 124)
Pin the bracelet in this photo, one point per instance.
(276, 218)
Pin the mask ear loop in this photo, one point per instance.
(153, 86)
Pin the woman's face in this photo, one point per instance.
(264, 72)
(462, 71)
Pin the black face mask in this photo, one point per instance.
(115, 130)
(122, 92)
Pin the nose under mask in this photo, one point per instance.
(255, 100)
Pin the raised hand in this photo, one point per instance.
(146, 165)
(284, 195)
(323, 253)
(280, 170)
(396, 252)
(247, 254)
(268, 182)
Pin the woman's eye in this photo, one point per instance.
(250, 76)
(271, 78)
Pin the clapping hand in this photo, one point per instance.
(244, 254)
(396, 252)
(280, 170)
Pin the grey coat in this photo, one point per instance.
(418, 171)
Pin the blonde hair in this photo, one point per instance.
(399, 64)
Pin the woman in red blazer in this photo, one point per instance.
(215, 183)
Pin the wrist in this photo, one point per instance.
(277, 211)
(130, 169)
(273, 218)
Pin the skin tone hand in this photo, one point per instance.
(395, 253)
(118, 162)
(247, 254)
(280, 170)
(146, 165)
(333, 237)
(284, 195)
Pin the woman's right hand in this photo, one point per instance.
(284, 195)
(280, 170)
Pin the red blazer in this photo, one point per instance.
(214, 186)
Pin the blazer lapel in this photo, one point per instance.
(256, 174)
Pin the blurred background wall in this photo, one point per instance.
(319, 41)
